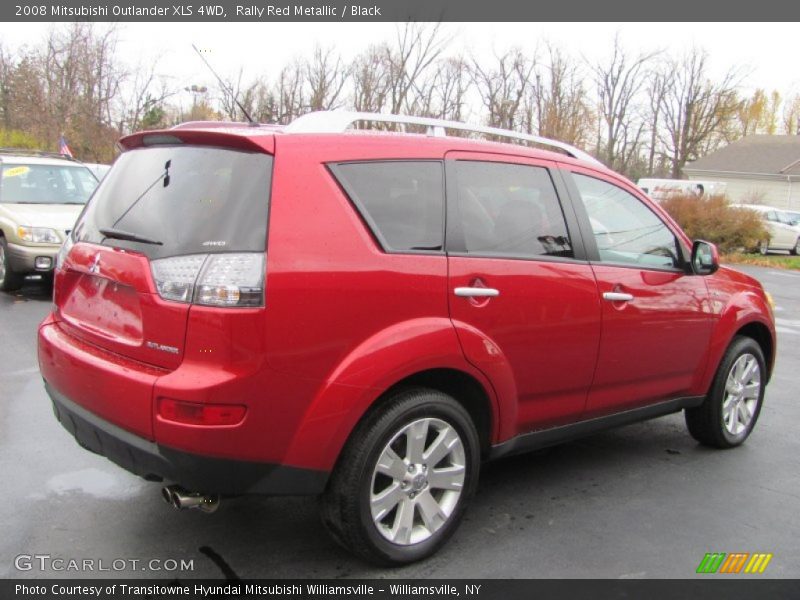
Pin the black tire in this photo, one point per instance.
(763, 247)
(796, 250)
(9, 280)
(707, 422)
(346, 508)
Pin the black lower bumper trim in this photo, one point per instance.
(192, 471)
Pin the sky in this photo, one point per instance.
(766, 52)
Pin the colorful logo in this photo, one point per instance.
(735, 562)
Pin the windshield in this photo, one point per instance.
(46, 184)
(175, 200)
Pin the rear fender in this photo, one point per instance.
(373, 367)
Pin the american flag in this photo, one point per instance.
(63, 148)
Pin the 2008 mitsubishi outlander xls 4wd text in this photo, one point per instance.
(368, 315)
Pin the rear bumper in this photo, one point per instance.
(23, 258)
(195, 472)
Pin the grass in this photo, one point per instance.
(776, 261)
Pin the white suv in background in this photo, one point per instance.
(784, 234)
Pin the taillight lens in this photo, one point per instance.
(226, 280)
(194, 413)
(175, 276)
(64, 251)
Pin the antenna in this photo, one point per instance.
(226, 88)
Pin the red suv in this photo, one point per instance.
(367, 315)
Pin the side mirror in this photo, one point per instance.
(705, 258)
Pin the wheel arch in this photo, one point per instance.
(763, 337)
(461, 386)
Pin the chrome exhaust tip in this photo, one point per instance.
(180, 498)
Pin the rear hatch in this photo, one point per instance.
(164, 215)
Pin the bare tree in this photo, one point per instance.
(503, 87)
(417, 47)
(289, 93)
(557, 104)
(143, 105)
(370, 79)
(620, 81)
(659, 81)
(452, 84)
(326, 77)
(695, 110)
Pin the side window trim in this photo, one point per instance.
(455, 244)
(371, 225)
(587, 233)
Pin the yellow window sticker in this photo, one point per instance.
(16, 171)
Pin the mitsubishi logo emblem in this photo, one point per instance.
(95, 268)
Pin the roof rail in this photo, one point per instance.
(37, 153)
(336, 121)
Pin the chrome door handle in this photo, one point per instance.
(617, 297)
(476, 292)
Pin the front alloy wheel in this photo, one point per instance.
(742, 394)
(403, 481)
(730, 411)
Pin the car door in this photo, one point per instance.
(656, 316)
(522, 296)
(783, 235)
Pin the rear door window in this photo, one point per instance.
(509, 210)
(401, 201)
(189, 199)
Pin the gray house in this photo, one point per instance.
(758, 169)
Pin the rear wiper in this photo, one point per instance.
(163, 177)
(118, 234)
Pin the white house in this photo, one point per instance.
(758, 169)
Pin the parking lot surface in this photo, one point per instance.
(641, 501)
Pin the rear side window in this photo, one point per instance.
(508, 210)
(189, 199)
(401, 201)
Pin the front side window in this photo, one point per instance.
(509, 210)
(401, 201)
(45, 184)
(626, 231)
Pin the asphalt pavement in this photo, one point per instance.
(643, 501)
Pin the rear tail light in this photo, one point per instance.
(227, 280)
(193, 413)
(64, 251)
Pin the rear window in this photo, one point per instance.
(45, 184)
(190, 199)
(401, 201)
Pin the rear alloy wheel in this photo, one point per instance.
(763, 247)
(796, 250)
(9, 280)
(404, 480)
(731, 409)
